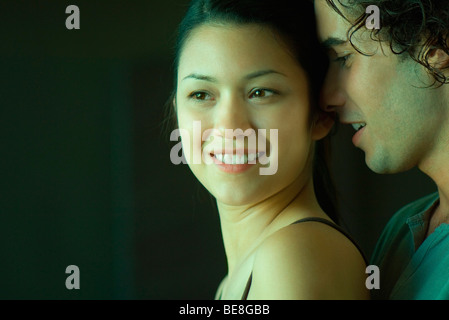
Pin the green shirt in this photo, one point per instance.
(412, 266)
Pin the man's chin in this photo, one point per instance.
(382, 166)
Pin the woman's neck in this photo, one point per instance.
(245, 227)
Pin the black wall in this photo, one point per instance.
(86, 177)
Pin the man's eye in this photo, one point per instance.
(343, 60)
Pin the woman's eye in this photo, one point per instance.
(199, 95)
(261, 93)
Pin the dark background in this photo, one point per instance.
(86, 177)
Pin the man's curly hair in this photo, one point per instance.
(410, 26)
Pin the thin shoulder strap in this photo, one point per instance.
(338, 228)
(316, 219)
(248, 285)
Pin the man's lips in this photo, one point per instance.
(357, 125)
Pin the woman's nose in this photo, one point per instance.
(231, 113)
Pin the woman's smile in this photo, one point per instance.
(240, 161)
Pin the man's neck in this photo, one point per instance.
(439, 216)
(436, 166)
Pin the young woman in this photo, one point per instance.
(246, 71)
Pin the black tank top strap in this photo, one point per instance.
(338, 228)
(315, 219)
(248, 285)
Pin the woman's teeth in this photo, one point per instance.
(237, 159)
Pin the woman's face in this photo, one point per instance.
(242, 77)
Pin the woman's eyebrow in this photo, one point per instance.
(261, 73)
(249, 76)
(200, 77)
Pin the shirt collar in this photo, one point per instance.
(419, 223)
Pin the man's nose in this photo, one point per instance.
(332, 94)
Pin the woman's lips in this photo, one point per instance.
(235, 163)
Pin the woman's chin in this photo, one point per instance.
(233, 198)
(240, 195)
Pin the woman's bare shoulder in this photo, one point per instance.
(308, 261)
(219, 291)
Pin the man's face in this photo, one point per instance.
(383, 96)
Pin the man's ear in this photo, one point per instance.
(438, 59)
(322, 125)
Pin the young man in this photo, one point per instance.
(390, 85)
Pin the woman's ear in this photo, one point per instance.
(321, 125)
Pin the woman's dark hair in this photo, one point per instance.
(410, 26)
(294, 22)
